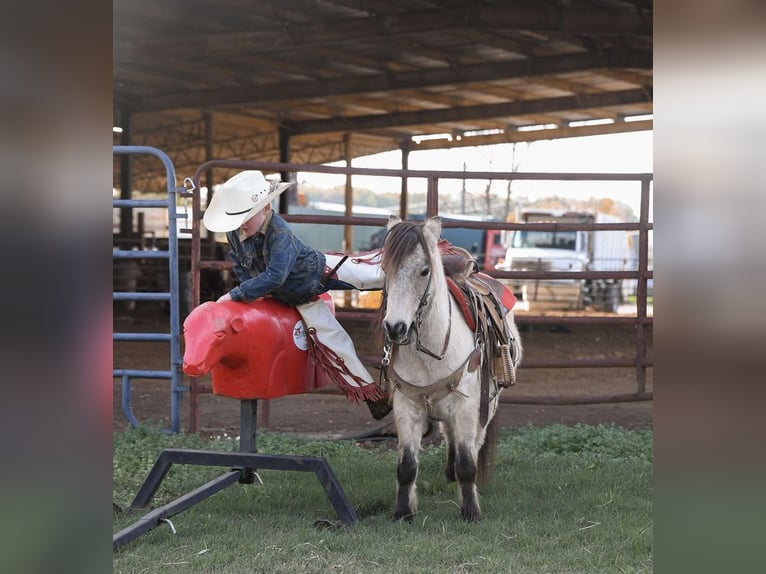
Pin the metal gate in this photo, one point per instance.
(642, 321)
(173, 373)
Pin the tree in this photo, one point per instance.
(515, 162)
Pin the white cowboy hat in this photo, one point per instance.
(239, 199)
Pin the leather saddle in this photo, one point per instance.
(484, 302)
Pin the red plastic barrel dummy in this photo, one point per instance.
(256, 350)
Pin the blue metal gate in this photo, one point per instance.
(174, 373)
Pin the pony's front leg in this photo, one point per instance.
(465, 469)
(410, 423)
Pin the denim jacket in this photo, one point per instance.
(276, 263)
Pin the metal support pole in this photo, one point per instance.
(403, 199)
(348, 200)
(284, 157)
(641, 291)
(126, 178)
(348, 197)
(208, 118)
(248, 428)
(432, 196)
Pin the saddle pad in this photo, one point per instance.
(459, 297)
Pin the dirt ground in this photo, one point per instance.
(324, 413)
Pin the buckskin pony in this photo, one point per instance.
(442, 364)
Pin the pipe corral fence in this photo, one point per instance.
(169, 294)
(640, 362)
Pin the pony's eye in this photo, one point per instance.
(425, 271)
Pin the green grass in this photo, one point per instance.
(632, 299)
(562, 499)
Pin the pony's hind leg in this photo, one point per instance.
(409, 427)
(464, 446)
(449, 468)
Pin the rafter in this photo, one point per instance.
(502, 42)
(543, 105)
(537, 19)
(628, 76)
(383, 70)
(395, 80)
(565, 85)
(517, 136)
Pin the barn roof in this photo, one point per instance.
(232, 79)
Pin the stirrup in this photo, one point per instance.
(504, 366)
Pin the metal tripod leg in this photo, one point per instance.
(243, 464)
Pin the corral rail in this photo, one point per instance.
(641, 360)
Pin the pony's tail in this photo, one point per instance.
(486, 458)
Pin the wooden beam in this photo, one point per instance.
(501, 42)
(628, 77)
(350, 58)
(394, 80)
(517, 108)
(557, 133)
(305, 149)
(539, 19)
(565, 85)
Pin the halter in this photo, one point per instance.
(418, 322)
(435, 391)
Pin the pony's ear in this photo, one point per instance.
(393, 220)
(433, 226)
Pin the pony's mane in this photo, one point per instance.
(400, 241)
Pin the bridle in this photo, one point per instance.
(432, 393)
(418, 322)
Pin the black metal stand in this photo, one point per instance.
(244, 462)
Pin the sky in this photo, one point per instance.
(610, 153)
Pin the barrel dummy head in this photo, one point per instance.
(252, 350)
(209, 332)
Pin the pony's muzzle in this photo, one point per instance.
(397, 332)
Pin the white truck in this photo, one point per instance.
(566, 251)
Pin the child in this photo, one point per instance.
(270, 260)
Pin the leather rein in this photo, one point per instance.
(440, 388)
(418, 322)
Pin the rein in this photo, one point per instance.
(418, 322)
(494, 347)
(440, 388)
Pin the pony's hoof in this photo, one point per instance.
(472, 515)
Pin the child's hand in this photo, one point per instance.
(224, 297)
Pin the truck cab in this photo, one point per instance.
(564, 250)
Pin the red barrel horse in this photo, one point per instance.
(256, 350)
